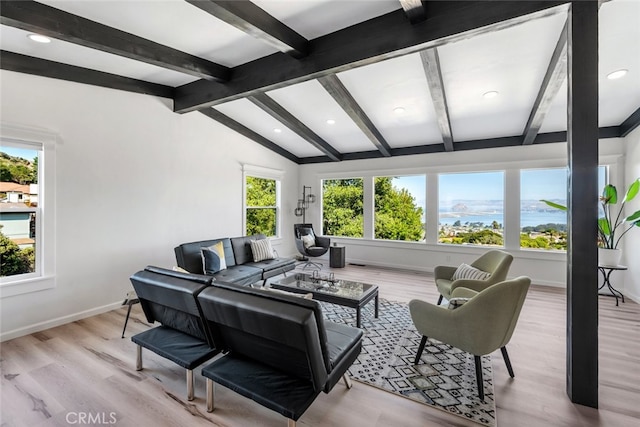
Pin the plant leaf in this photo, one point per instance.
(554, 205)
(633, 190)
(603, 225)
(633, 217)
(609, 195)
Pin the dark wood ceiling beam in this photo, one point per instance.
(341, 95)
(553, 79)
(278, 112)
(414, 10)
(254, 21)
(377, 39)
(248, 133)
(632, 122)
(41, 67)
(431, 65)
(51, 22)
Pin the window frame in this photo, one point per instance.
(44, 276)
(263, 173)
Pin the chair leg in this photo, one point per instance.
(439, 300)
(507, 362)
(139, 358)
(420, 349)
(347, 381)
(190, 384)
(210, 395)
(126, 319)
(478, 361)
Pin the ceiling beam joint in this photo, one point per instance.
(414, 10)
(431, 65)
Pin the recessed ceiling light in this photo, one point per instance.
(38, 38)
(399, 110)
(331, 122)
(490, 94)
(617, 74)
(277, 130)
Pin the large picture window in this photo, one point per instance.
(342, 207)
(541, 226)
(400, 207)
(261, 206)
(471, 208)
(19, 211)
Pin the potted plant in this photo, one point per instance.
(612, 226)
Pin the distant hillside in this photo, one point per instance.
(17, 169)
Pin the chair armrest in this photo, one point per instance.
(323, 242)
(431, 320)
(444, 272)
(461, 292)
(476, 285)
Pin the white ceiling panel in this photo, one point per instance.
(15, 40)
(512, 62)
(173, 23)
(251, 116)
(401, 82)
(313, 106)
(619, 48)
(315, 18)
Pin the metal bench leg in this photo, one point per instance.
(347, 381)
(139, 358)
(210, 395)
(189, 384)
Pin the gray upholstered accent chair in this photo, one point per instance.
(483, 324)
(494, 261)
(318, 248)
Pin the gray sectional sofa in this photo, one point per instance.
(241, 269)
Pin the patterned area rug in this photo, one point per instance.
(445, 378)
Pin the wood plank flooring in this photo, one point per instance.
(58, 376)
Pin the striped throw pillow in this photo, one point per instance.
(261, 250)
(468, 272)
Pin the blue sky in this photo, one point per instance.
(471, 186)
(19, 152)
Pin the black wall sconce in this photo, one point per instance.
(303, 204)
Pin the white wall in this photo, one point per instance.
(631, 248)
(543, 267)
(133, 180)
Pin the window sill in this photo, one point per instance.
(25, 286)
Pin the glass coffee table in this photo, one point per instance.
(329, 289)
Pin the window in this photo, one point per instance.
(261, 206)
(400, 207)
(342, 207)
(19, 211)
(471, 208)
(541, 226)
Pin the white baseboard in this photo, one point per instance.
(41, 326)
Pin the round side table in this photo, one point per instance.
(606, 271)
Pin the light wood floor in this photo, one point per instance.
(52, 378)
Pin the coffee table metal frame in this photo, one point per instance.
(321, 288)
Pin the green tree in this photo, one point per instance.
(396, 215)
(342, 208)
(261, 206)
(14, 260)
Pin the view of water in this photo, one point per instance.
(527, 219)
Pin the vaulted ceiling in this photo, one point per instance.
(332, 80)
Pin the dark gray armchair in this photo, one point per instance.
(318, 246)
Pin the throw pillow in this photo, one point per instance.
(179, 269)
(468, 272)
(213, 258)
(308, 241)
(261, 250)
(457, 302)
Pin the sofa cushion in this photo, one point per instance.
(240, 275)
(188, 255)
(261, 250)
(213, 258)
(242, 247)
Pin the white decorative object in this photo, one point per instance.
(609, 257)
